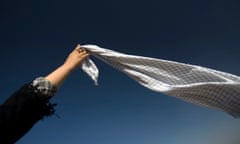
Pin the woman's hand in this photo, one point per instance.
(75, 58)
(73, 61)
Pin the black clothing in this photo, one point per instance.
(21, 111)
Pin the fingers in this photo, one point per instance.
(78, 46)
(80, 50)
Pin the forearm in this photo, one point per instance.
(73, 61)
(31, 102)
(58, 76)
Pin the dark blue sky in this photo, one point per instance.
(36, 37)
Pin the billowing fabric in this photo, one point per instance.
(195, 84)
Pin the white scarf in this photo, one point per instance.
(195, 84)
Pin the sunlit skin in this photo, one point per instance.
(73, 61)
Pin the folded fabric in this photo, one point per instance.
(195, 84)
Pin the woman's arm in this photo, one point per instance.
(73, 61)
(31, 102)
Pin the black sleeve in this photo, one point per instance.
(21, 111)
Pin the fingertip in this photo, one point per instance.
(78, 46)
(85, 53)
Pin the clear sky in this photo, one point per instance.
(36, 36)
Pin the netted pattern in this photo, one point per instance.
(44, 86)
(195, 84)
